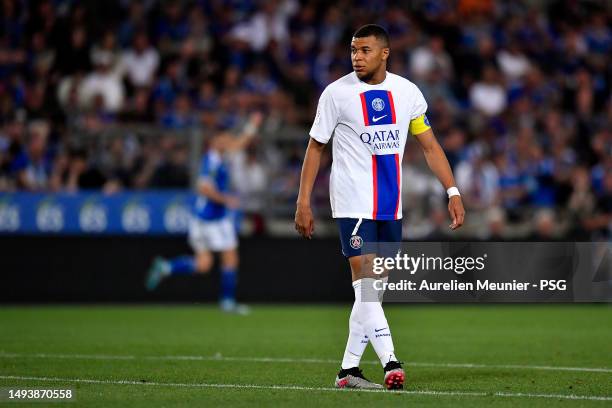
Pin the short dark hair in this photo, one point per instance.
(373, 30)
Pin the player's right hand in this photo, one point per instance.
(304, 221)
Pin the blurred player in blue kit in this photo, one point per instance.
(211, 227)
(369, 112)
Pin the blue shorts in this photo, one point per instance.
(358, 234)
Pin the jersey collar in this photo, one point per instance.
(372, 85)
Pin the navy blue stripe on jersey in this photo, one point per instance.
(385, 172)
(378, 107)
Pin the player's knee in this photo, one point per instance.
(361, 266)
(203, 263)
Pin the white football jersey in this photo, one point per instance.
(370, 126)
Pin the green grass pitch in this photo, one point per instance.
(284, 355)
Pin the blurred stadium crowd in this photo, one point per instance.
(518, 91)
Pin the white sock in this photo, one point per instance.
(372, 318)
(357, 339)
(381, 293)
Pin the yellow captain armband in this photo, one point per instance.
(419, 125)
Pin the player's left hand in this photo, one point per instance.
(457, 213)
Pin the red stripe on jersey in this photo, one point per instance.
(375, 187)
(392, 106)
(399, 188)
(364, 109)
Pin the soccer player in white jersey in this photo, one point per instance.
(211, 227)
(370, 113)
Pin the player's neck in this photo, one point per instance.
(376, 78)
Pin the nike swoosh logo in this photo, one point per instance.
(379, 329)
(375, 119)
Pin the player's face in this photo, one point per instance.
(220, 142)
(368, 56)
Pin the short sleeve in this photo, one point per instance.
(420, 105)
(326, 118)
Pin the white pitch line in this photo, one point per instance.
(302, 388)
(514, 366)
(299, 361)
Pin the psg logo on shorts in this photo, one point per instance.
(356, 242)
(378, 104)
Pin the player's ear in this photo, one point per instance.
(385, 53)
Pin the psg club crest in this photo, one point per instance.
(356, 242)
(377, 107)
(378, 104)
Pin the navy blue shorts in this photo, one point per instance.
(358, 234)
